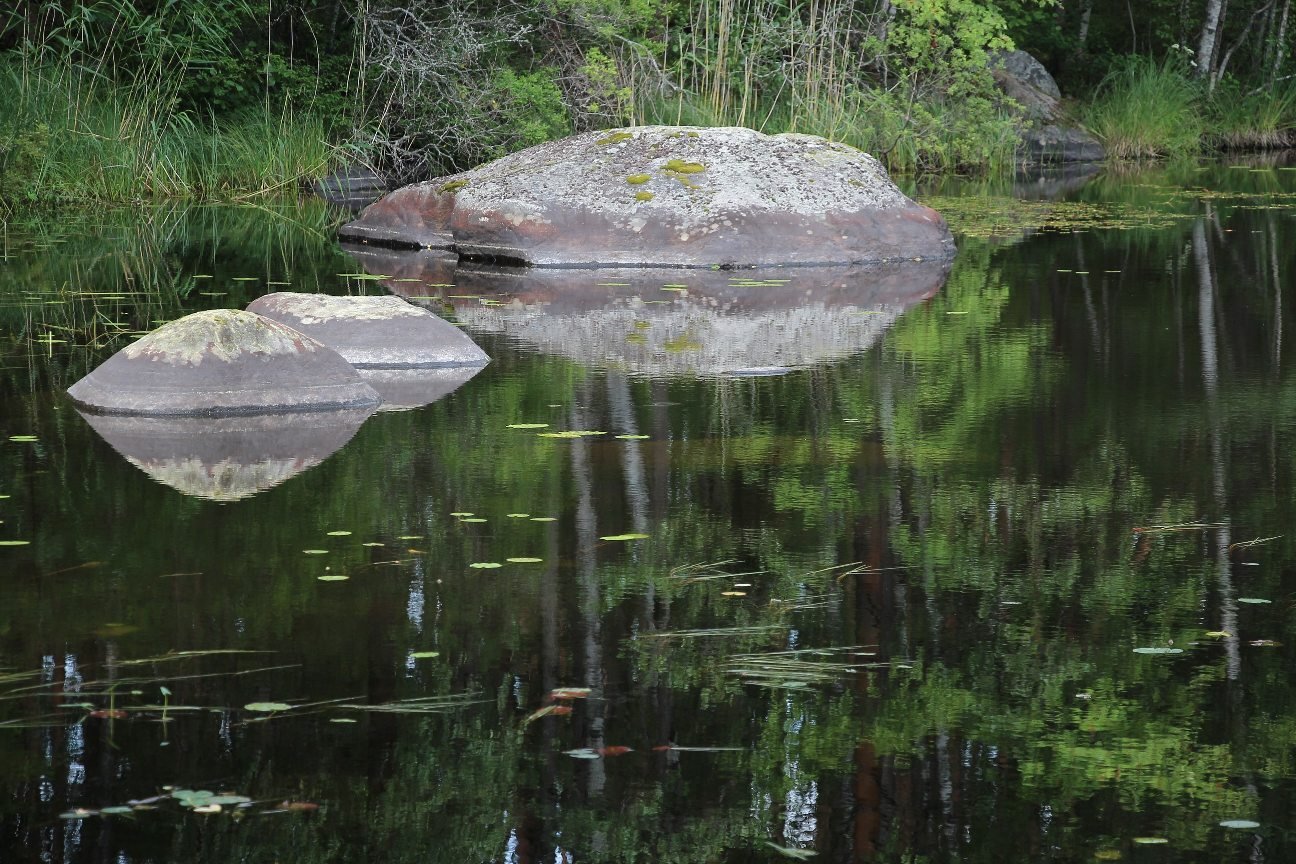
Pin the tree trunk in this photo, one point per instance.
(1209, 36)
(1280, 43)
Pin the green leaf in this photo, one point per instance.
(267, 707)
(625, 537)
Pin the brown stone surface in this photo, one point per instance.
(228, 458)
(373, 332)
(665, 196)
(222, 362)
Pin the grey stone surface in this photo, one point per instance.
(664, 321)
(665, 196)
(228, 458)
(381, 332)
(222, 362)
(1046, 134)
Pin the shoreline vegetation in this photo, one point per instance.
(118, 101)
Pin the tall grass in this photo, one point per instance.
(69, 134)
(1147, 110)
(1259, 120)
(775, 68)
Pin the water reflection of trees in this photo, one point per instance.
(988, 463)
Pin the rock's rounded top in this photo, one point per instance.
(381, 331)
(223, 362)
(666, 195)
(1025, 68)
(222, 335)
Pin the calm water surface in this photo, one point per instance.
(1000, 568)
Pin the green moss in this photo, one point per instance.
(680, 344)
(694, 135)
(638, 179)
(643, 196)
(681, 166)
(614, 138)
(636, 338)
(451, 186)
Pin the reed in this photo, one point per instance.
(1147, 110)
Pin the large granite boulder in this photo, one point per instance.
(223, 362)
(373, 332)
(1046, 134)
(665, 196)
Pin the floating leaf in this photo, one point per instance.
(1244, 824)
(229, 800)
(485, 565)
(462, 513)
(1151, 841)
(425, 655)
(333, 577)
(118, 810)
(298, 806)
(1253, 600)
(517, 515)
(315, 551)
(15, 542)
(339, 533)
(528, 425)
(371, 545)
(556, 710)
(1158, 650)
(544, 519)
(633, 437)
(625, 537)
(733, 593)
(23, 439)
(524, 560)
(582, 753)
(472, 519)
(615, 750)
(410, 537)
(571, 433)
(1218, 634)
(79, 813)
(267, 707)
(1264, 643)
(344, 720)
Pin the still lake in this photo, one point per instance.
(897, 567)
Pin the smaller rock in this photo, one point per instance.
(222, 362)
(1046, 134)
(374, 332)
(353, 187)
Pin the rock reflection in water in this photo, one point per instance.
(228, 458)
(406, 389)
(666, 321)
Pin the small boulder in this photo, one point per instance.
(1046, 134)
(373, 332)
(665, 196)
(223, 362)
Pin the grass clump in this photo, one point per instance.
(1147, 110)
(1255, 120)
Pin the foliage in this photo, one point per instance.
(1148, 110)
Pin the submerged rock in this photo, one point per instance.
(665, 196)
(223, 362)
(228, 458)
(373, 332)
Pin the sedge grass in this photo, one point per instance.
(1146, 110)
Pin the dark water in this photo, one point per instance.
(897, 588)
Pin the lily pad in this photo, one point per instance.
(267, 707)
(119, 810)
(524, 560)
(425, 655)
(23, 439)
(1158, 651)
(544, 518)
(472, 519)
(625, 537)
(633, 437)
(1151, 841)
(15, 542)
(528, 425)
(410, 537)
(315, 551)
(571, 433)
(1258, 601)
(343, 720)
(333, 577)
(1241, 824)
(485, 565)
(371, 545)
(462, 513)
(582, 753)
(339, 533)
